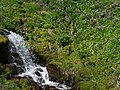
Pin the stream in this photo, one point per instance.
(23, 59)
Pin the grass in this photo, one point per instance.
(80, 36)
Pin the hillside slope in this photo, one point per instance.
(82, 37)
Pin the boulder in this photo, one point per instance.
(54, 71)
(4, 53)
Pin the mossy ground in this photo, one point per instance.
(80, 36)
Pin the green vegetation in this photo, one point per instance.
(13, 84)
(80, 36)
(3, 39)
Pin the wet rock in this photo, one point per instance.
(54, 71)
(47, 87)
(35, 86)
(54, 79)
(69, 81)
(43, 81)
(40, 79)
(37, 73)
(29, 77)
(39, 69)
(56, 74)
(4, 53)
(6, 32)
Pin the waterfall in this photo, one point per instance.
(38, 73)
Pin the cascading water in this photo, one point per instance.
(27, 66)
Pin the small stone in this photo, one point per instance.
(39, 69)
(37, 73)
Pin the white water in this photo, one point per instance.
(29, 68)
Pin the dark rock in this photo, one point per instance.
(69, 81)
(47, 87)
(53, 79)
(39, 59)
(30, 78)
(4, 53)
(37, 73)
(41, 80)
(54, 71)
(39, 69)
(75, 88)
(35, 86)
(6, 32)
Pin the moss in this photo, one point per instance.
(3, 39)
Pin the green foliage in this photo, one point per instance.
(4, 71)
(80, 36)
(62, 39)
(3, 39)
(11, 84)
(24, 84)
(8, 84)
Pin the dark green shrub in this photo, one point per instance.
(63, 39)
